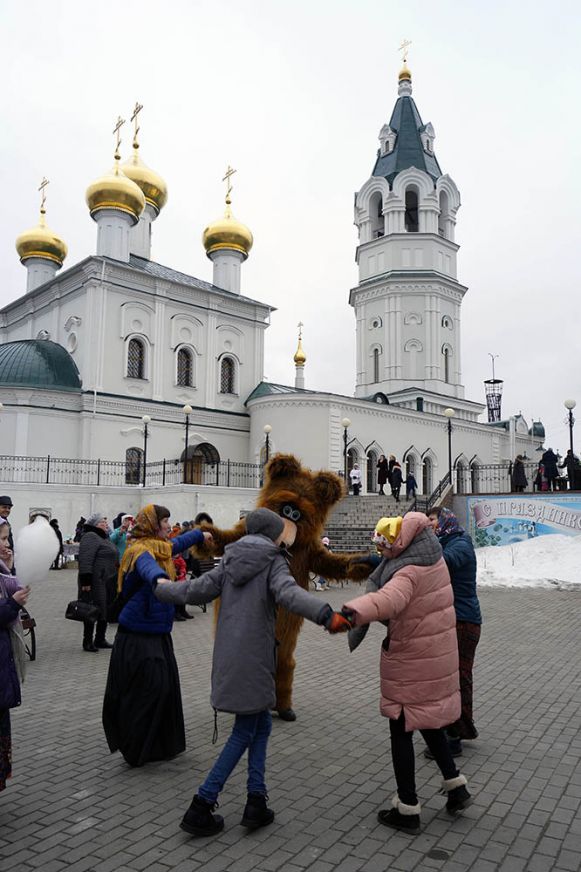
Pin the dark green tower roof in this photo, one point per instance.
(408, 150)
(38, 363)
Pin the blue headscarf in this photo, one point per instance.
(448, 523)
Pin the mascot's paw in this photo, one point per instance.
(287, 714)
(358, 571)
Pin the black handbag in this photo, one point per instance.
(79, 610)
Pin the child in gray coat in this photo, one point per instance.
(251, 580)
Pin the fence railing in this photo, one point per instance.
(425, 503)
(115, 473)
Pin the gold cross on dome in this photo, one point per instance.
(404, 49)
(227, 176)
(42, 189)
(134, 118)
(300, 325)
(117, 132)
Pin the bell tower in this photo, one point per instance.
(408, 299)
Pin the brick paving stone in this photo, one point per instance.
(71, 805)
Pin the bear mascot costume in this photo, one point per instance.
(304, 497)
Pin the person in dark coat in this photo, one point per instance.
(573, 467)
(460, 558)
(519, 478)
(382, 470)
(97, 577)
(58, 559)
(252, 579)
(12, 599)
(396, 480)
(142, 710)
(79, 529)
(551, 471)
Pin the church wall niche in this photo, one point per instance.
(231, 340)
(137, 318)
(186, 330)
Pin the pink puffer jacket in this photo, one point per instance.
(419, 672)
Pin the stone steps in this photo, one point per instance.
(351, 523)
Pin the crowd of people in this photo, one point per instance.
(389, 472)
(422, 582)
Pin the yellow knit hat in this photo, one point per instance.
(386, 531)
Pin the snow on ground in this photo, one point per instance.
(545, 561)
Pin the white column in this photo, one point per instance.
(299, 377)
(113, 233)
(140, 234)
(227, 264)
(39, 270)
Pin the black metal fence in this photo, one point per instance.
(114, 473)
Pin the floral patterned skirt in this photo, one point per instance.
(5, 748)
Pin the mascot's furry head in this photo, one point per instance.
(294, 492)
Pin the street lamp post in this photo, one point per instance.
(449, 413)
(187, 410)
(267, 431)
(570, 405)
(345, 423)
(146, 420)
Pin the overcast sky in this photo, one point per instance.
(293, 95)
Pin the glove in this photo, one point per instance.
(372, 560)
(337, 623)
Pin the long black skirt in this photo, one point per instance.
(142, 710)
(5, 748)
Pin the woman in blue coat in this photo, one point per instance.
(142, 709)
(460, 558)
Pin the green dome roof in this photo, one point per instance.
(38, 363)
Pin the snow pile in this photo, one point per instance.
(545, 561)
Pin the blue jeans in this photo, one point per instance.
(250, 732)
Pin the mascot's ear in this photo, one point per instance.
(283, 466)
(328, 487)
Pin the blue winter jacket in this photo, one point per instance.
(461, 561)
(144, 613)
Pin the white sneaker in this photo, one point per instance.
(318, 586)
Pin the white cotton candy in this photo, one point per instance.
(35, 549)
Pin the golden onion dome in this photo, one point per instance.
(41, 241)
(300, 357)
(115, 191)
(405, 73)
(227, 233)
(152, 185)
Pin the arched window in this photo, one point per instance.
(375, 365)
(185, 368)
(475, 478)
(447, 353)
(412, 223)
(376, 215)
(227, 376)
(133, 466)
(372, 459)
(135, 359)
(461, 474)
(444, 213)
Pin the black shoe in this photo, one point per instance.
(179, 617)
(407, 823)
(102, 643)
(199, 820)
(189, 617)
(287, 714)
(88, 646)
(256, 813)
(458, 799)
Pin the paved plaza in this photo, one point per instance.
(72, 806)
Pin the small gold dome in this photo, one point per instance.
(153, 186)
(405, 73)
(300, 357)
(40, 241)
(227, 232)
(115, 191)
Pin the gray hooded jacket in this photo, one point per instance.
(252, 579)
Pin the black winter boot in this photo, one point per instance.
(88, 637)
(256, 813)
(287, 714)
(199, 820)
(100, 640)
(401, 817)
(458, 796)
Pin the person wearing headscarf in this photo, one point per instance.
(419, 658)
(12, 653)
(97, 574)
(460, 558)
(142, 709)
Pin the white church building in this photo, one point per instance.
(118, 346)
